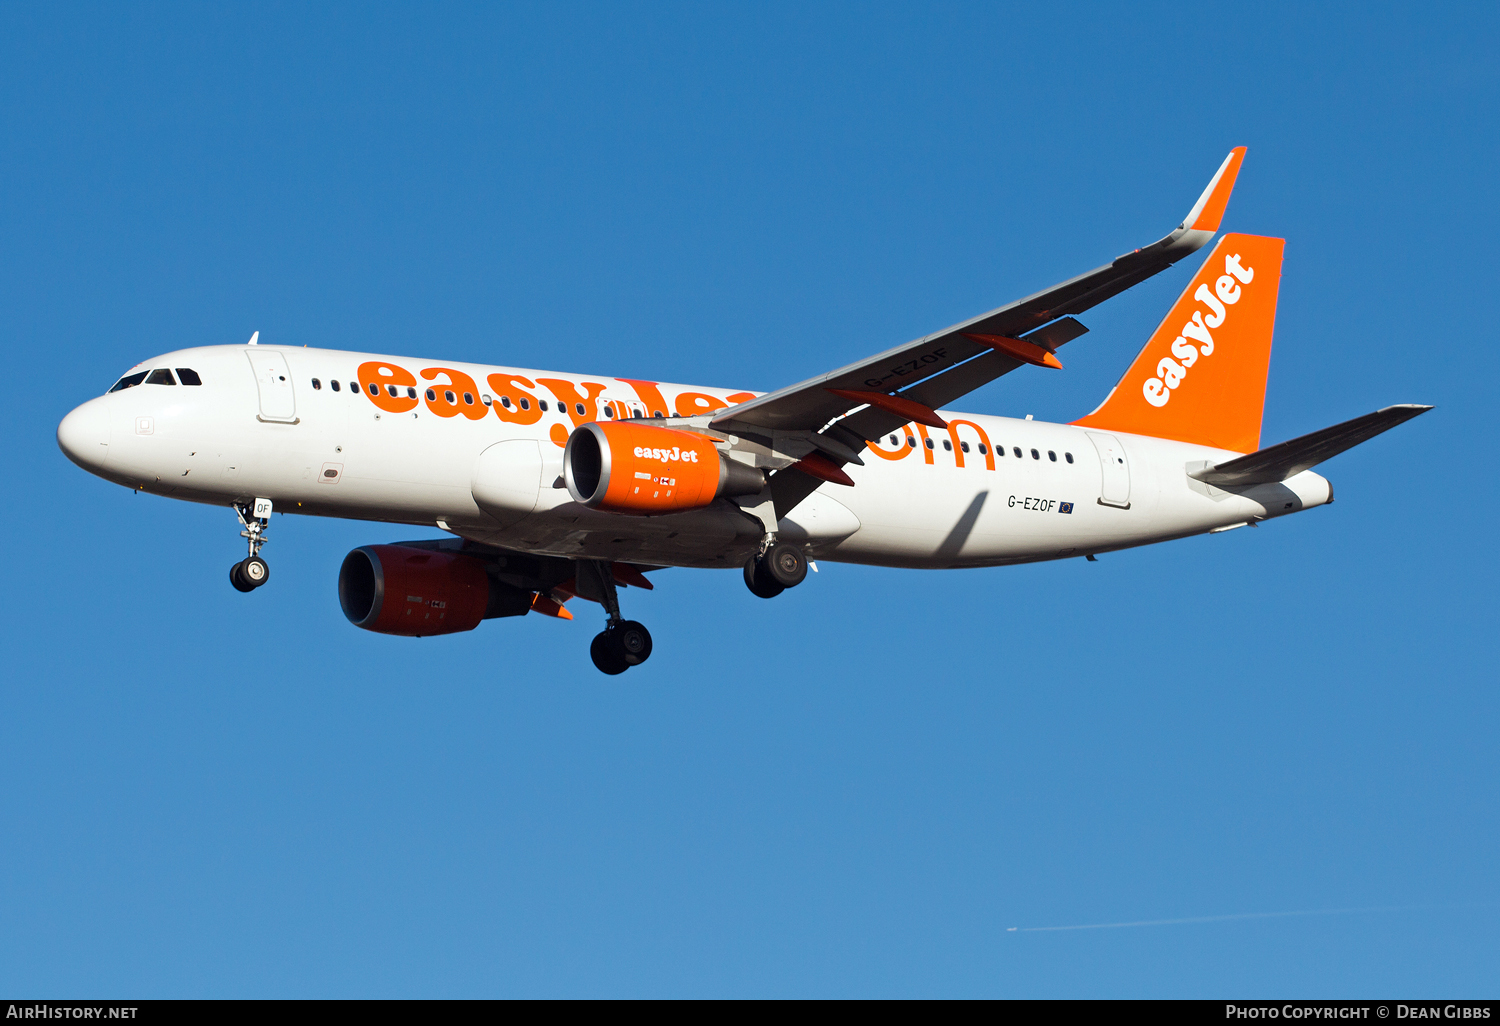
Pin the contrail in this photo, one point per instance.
(1220, 919)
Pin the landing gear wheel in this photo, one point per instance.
(630, 641)
(240, 584)
(759, 581)
(604, 655)
(255, 571)
(785, 564)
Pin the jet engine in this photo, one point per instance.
(398, 589)
(626, 467)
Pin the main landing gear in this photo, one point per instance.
(252, 571)
(781, 565)
(623, 643)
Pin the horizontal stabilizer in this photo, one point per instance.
(1280, 462)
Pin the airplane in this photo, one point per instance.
(555, 486)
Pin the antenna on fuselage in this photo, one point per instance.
(254, 339)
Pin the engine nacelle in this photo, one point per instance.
(396, 589)
(626, 467)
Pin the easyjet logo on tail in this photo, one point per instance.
(1226, 293)
(1201, 377)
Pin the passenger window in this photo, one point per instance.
(486, 399)
(354, 387)
(129, 381)
(411, 393)
(394, 391)
(317, 385)
(188, 376)
(1017, 450)
(580, 409)
(947, 445)
(609, 413)
(964, 446)
(161, 377)
(1052, 455)
(984, 450)
(1068, 456)
(911, 443)
(657, 413)
(505, 401)
(448, 395)
(542, 405)
(334, 384)
(431, 396)
(930, 445)
(893, 440)
(374, 388)
(1035, 455)
(525, 403)
(468, 398)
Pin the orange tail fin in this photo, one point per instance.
(1202, 376)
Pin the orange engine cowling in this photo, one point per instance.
(626, 467)
(396, 589)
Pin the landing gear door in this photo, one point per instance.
(1114, 489)
(275, 383)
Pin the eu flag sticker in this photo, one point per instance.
(1065, 507)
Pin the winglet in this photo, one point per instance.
(1209, 210)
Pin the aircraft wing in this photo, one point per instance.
(940, 367)
(827, 420)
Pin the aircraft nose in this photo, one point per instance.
(83, 435)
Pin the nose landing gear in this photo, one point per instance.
(252, 571)
(249, 573)
(623, 643)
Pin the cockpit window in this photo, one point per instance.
(161, 377)
(129, 381)
(188, 376)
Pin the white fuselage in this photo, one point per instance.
(1034, 491)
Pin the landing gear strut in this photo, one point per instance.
(623, 643)
(781, 566)
(252, 571)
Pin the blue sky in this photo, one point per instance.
(854, 789)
